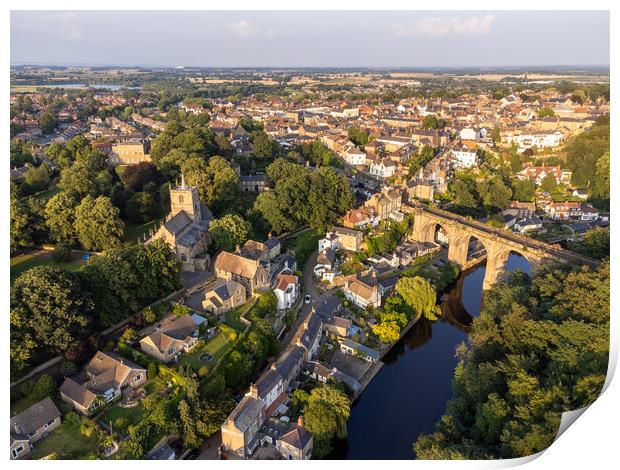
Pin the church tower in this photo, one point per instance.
(185, 198)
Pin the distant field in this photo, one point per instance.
(21, 263)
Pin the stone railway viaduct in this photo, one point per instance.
(498, 243)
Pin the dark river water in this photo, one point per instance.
(409, 394)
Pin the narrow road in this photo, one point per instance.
(308, 289)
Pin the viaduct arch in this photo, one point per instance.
(497, 243)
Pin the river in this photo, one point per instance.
(409, 394)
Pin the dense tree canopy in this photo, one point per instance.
(585, 151)
(539, 347)
(97, 224)
(301, 196)
(229, 231)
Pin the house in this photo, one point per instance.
(287, 290)
(264, 252)
(539, 140)
(362, 293)
(129, 153)
(382, 168)
(325, 262)
(175, 336)
(222, 296)
(289, 364)
(588, 212)
(352, 155)
(539, 173)
(268, 387)
(353, 348)
(253, 183)
(342, 238)
(186, 228)
(247, 272)
(361, 217)
(309, 335)
(296, 443)
(464, 155)
(563, 210)
(527, 224)
(239, 431)
(32, 425)
(388, 201)
(102, 381)
(338, 326)
(328, 306)
(317, 371)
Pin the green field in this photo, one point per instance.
(21, 263)
(67, 442)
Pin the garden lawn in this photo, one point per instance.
(67, 442)
(21, 405)
(21, 263)
(216, 347)
(132, 415)
(134, 231)
(232, 316)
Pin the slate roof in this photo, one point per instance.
(35, 417)
(287, 362)
(328, 305)
(246, 412)
(267, 382)
(297, 436)
(312, 328)
(178, 222)
(173, 329)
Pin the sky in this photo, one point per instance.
(310, 39)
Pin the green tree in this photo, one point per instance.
(538, 348)
(263, 146)
(387, 331)
(97, 224)
(47, 122)
(358, 136)
(549, 183)
(60, 218)
(545, 112)
(326, 414)
(49, 306)
(523, 190)
(141, 207)
(420, 295)
(229, 231)
(78, 181)
(20, 230)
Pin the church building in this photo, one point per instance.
(186, 228)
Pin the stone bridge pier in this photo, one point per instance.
(498, 248)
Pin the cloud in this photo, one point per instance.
(246, 30)
(438, 26)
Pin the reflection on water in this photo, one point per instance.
(409, 395)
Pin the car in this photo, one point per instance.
(307, 299)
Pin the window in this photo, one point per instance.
(18, 450)
(138, 378)
(49, 424)
(180, 199)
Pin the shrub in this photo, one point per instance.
(151, 371)
(68, 368)
(149, 315)
(203, 371)
(61, 253)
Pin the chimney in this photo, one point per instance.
(238, 249)
(300, 421)
(253, 391)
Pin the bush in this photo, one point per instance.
(72, 419)
(203, 371)
(151, 371)
(149, 315)
(61, 253)
(179, 310)
(68, 368)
